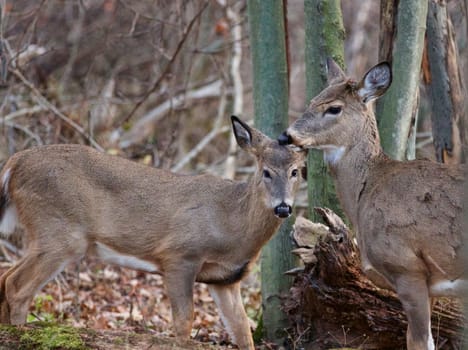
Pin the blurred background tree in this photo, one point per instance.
(271, 91)
(324, 38)
(402, 30)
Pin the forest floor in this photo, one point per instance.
(46, 336)
(124, 309)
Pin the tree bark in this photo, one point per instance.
(333, 304)
(388, 10)
(324, 35)
(270, 90)
(444, 84)
(403, 48)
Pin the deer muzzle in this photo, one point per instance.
(285, 139)
(283, 210)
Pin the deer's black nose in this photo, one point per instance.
(283, 210)
(284, 139)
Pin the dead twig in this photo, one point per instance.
(22, 112)
(25, 130)
(6, 245)
(207, 139)
(145, 126)
(49, 106)
(77, 30)
(166, 68)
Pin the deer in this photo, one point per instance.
(73, 201)
(407, 215)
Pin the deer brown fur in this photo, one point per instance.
(407, 214)
(73, 201)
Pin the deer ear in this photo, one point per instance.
(249, 139)
(242, 132)
(375, 82)
(334, 72)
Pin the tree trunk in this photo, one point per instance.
(333, 304)
(444, 84)
(324, 35)
(270, 89)
(402, 45)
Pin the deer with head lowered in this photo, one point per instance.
(407, 214)
(73, 201)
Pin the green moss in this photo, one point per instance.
(52, 336)
(9, 330)
(258, 334)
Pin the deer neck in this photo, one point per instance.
(256, 220)
(352, 169)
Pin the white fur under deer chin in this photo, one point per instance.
(332, 154)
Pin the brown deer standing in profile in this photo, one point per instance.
(73, 201)
(407, 215)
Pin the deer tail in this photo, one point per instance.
(8, 214)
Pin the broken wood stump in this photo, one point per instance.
(332, 304)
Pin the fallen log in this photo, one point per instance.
(332, 303)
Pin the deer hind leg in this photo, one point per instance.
(4, 307)
(26, 279)
(44, 259)
(413, 293)
(229, 301)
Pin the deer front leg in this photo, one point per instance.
(229, 301)
(179, 285)
(414, 296)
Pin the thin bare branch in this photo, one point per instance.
(22, 112)
(211, 135)
(49, 106)
(11, 247)
(145, 126)
(26, 131)
(167, 67)
(77, 31)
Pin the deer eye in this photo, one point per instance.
(266, 174)
(334, 110)
(294, 173)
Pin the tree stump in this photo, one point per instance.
(333, 304)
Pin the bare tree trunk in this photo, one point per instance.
(233, 14)
(388, 11)
(402, 41)
(270, 89)
(324, 38)
(444, 84)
